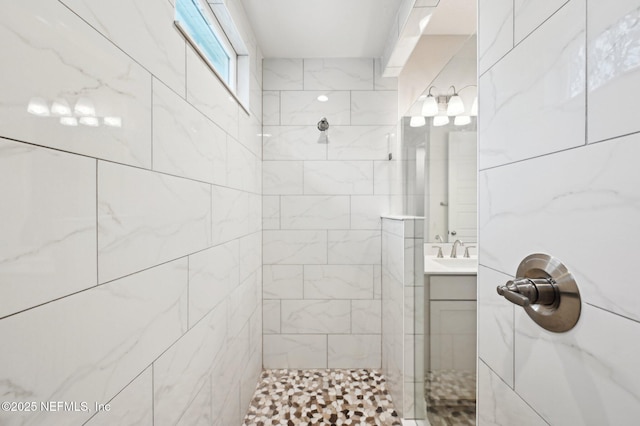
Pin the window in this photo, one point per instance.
(218, 42)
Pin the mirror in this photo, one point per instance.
(446, 149)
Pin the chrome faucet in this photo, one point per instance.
(454, 249)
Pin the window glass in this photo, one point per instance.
(194, 21)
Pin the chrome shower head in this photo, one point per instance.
(323, 126)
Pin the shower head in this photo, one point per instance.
(323, 125)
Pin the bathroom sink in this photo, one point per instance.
(450, 266)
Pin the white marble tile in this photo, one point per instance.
(360, 142)
(282, 74)
(366, 316)
(184, 368)
(499, 405)
(49, 225)
(250, 254)
(613, 73)
(354, 351)
(529, 15)
(314, 212)
(250, 132)
(414, 310)
(293, 143)
(283, 282)
(230, 218)
(282, 177)
(295, 351)
(374, 108)
(132, 406)
(377, 281)
(338, 177)
(593, 368)
(270, 108)
(495, 31)
(557, 209)
(185, 142)
(157, 45)
(213, 274)
(409, 257)
(383, 83)
(249, 382)
(338, 74)
(294, 247)
(147, 218)
(243, 301)
(198, 413)
(209, 95)
(80, 64)
(126, 324)
(354, 247)
(243, 170)
(388, 177)
(414, 358)
(255, 99)
(552, 91)
(338, 281)
(394, 226)
(271, 212)
(224, 374)
(495, 325)
(304, 108)
(316, 316)
(426, 3)
(255, 212)
(271, 317)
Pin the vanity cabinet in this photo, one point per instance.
(452, 322)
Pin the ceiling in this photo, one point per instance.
(342, 28)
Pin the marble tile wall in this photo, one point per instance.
(131, 254)
(579, 56)
(321, 211)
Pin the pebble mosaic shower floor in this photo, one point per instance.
(321, 397)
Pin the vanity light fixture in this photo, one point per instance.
(461, 120)
(84, 108)
(440, 120)
(60, 107)
(69, 121)
(430, 105)
(455, 106)
(417, 121)
(90, 121)
(38, 107)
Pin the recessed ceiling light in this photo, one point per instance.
(323, 98)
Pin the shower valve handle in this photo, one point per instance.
(528, 291)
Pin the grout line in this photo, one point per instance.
(153, 398)
(97, 227)
(514, 391)
(586, 74)
(188, 287)
(612, 312)
(106, 160)
(151, 122)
